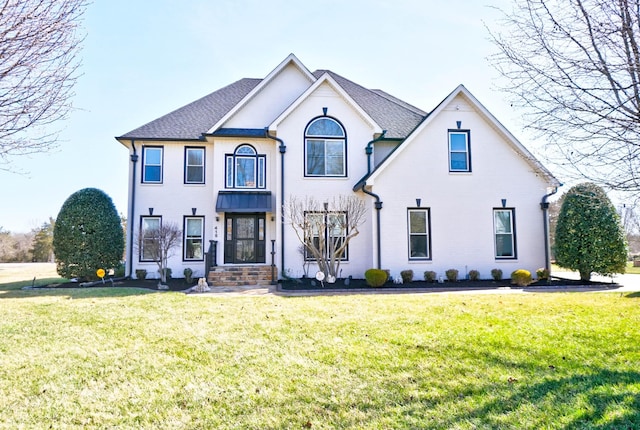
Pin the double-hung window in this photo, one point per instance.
(326, 232)
(325, 148)
(459, 151)
(152, 164)
(149, 227)
(194, 165)
(193, 237)
(419, 234)
(245, 168)
(504, 233)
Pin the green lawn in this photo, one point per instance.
(127, 358)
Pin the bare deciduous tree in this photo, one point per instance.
(325, 229)
(574, 68)
(39, 45)
(158, 244)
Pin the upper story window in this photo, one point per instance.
(459, 151)
(245, 168)
(152, 164)
(419, 234)
(504, 233)
(194, 165)
(325, 148)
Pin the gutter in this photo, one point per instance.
(283, 149)
(378, 204)
(134, 160)
(544, 205)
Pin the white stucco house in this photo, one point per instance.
(449, 188)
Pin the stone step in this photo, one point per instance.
(236, 276)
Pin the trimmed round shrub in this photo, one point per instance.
(376, 277)
(589, 235)
(407, 276)
(452, 275)
(543, 274)
(474, 275)
(496, 274)
(521, 277)
(430, 276)
(87, 235)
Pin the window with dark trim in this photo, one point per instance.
(194, 165)
(330, 228)
(504, 233)
(459, 151)
(152, 164)
(149, 226)
(245, 168)
(193, 237)
(419, 230)
(325, 148)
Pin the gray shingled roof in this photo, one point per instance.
(190, 121)
(397, 117)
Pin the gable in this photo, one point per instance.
(461, 106)
(270, 99)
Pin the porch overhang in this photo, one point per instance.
(244, 201)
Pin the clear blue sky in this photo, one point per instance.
(143, 59)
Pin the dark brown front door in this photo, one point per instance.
(244, 240)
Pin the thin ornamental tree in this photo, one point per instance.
(325, 228)
(589, 235)
(158, 244)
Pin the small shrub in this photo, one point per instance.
(496, 274)
(430, 276)
(188, 275)
(407, 276)
(376, 277)
(521, 277)
(452, 275)
(543, 274)
(119, 271)
(141, 274)
(474, 275)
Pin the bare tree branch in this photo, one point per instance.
(39, 45)
(573, 66)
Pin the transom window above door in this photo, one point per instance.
(245, 168)
(325, 148)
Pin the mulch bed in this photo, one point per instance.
(309, 284)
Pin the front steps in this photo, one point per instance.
(236, 276)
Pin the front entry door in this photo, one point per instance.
(244, 238)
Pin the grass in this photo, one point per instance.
(129, 358)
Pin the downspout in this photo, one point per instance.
(544, 205)
(282, 148)
(134, 160)
(378, 204)
(369, 150)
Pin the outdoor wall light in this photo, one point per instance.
(504, 203)
(193, 211)
(150, 211)
(459, 124)
(418, 201)
(325, 110)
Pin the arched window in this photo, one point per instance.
(325, 148)
(245, 168)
